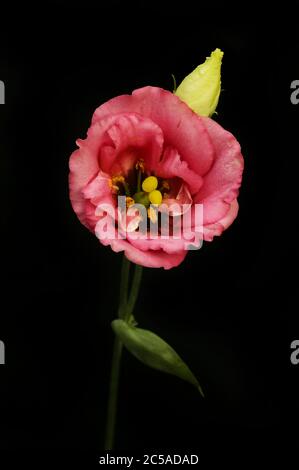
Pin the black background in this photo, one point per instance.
(230, 309)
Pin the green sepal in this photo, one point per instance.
(153, 351)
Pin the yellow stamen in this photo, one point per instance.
(118, 179)
(112, 186)
(129, 201)
(152, 214)
(150, 184)
(155, 197)
(115, 181)
(140, 165)
(165, 185)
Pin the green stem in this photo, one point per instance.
(139, 181)
(113, 394)
(134, 292)
(124, 285)
(125, 311)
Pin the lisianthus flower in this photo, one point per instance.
(152, 149)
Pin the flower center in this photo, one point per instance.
(148, 191)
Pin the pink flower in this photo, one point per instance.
(153, 132)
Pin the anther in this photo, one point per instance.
(150, 184)
(140, 165)
(152, 214)
(129, 201)
(155, 197)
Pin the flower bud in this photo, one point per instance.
(200, 90)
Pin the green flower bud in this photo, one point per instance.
(200, 90)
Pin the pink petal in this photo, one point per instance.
(212, 230)
(172, 166)
(178, 205)
(98, 189)
(154, 259)
(83, 167)
(222, 182)
(228, 219)
(182, 128)
(109, 148)
(132, 137)
(169, 245)
(149, 258)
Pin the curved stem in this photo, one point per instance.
(125, 310)
(124, 284)
(113, 394)
(134, 292)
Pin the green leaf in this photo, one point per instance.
(153, 351)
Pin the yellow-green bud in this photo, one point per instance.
(200, 90)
